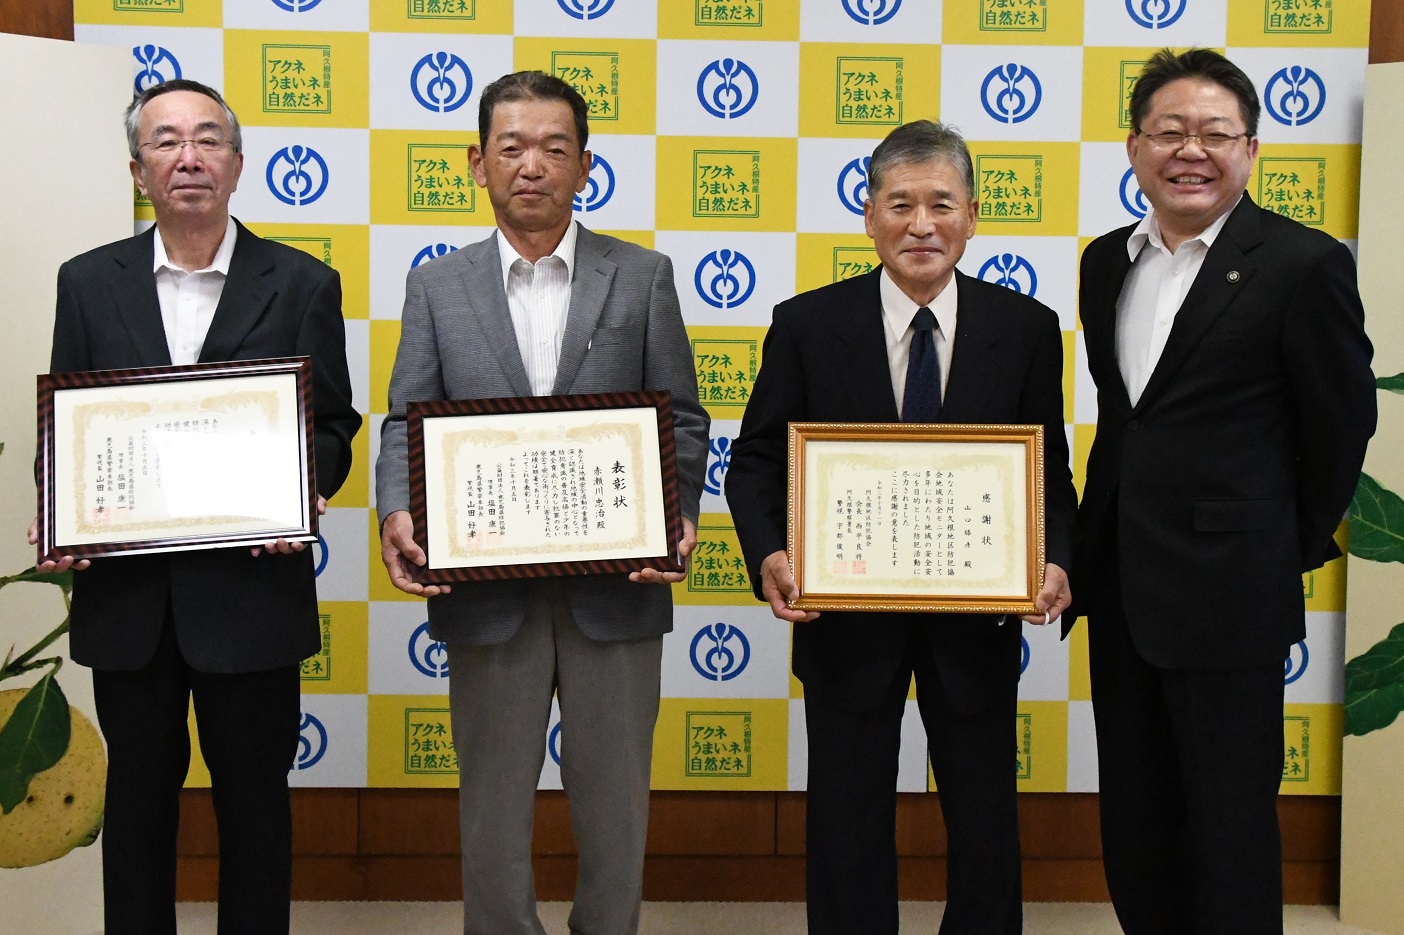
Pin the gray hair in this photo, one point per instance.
(922, 141)
(133, 118)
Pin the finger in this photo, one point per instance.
(256, 551)
(410, 549)
(82, 566)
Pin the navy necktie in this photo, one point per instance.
(921, 401)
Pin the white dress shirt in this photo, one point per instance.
(1152, 294)
(538, 298)
(188, 300)
(897, 312)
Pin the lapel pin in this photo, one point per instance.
(1232, 275)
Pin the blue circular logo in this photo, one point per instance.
(719, 459)
(585, 9)
(1295, 666)
(727, 88)
(441, 82)
(1132, 198)
(157, 65)
(553, 743)
(297, 175)
(1025, 654)
(296, 6)
(871, 12)
(715, 649)
(1011, 93)
(428, 655)
(1295, 95)
(599, 189)
(311, 743)
(853, 184)
(724, 278)
(1155, 14)
(431, 252)
(321, 553)
(1010, 271)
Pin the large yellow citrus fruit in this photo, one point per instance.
(65, 803)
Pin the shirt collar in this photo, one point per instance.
(565, 251)
(1148, 231)
(220, 264)
(898, 309)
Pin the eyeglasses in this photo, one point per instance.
(1174, 140)
(205, 145)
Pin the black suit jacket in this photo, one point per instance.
(233, 612)
(1227, 478)
(825, 360)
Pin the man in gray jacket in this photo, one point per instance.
(544, 306)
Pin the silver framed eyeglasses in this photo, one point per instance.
(1174, 140)
(205, 145)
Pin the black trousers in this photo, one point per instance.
(1190, 763)
(851, 875)
(248, 727)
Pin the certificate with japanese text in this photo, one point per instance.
(544, 485)
(894, 517)
(170, 458)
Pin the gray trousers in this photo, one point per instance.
(500, 698)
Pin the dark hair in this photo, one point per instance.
(532, 85)
(1200, 65)
(133, 117)
(922, 141)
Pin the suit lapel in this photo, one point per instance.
(594, 272)
(482, 278)
(1225, 271)
(134, 291)
(247, 291)
(867, 374)
(977, 331)
(1099, 320)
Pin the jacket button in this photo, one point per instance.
(1132, 425)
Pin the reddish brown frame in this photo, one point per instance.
(660, 401)
(51, 383)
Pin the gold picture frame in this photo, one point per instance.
(916, 517)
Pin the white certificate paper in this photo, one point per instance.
(182, 459)
(560, 486)
(900, 518)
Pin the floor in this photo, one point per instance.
(706, 919)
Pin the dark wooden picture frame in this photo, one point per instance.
(659, 401)
(50, 436)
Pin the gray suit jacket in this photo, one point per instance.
(624, 331)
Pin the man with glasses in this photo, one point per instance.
(1234, 400)
(226, 627)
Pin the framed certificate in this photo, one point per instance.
(539, 486)
(893, 517)
(169, 458)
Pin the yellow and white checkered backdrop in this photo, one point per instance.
(731, 135)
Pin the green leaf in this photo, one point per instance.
(1374, 685)
(1376, 522)
(32, 740)
(64, 579)
(1394, 384)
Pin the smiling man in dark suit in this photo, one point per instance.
(223, 626)
(1234, 400)
(918, 338)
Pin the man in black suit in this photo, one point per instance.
(918, 338)
(222, 625)
(1235, 401)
